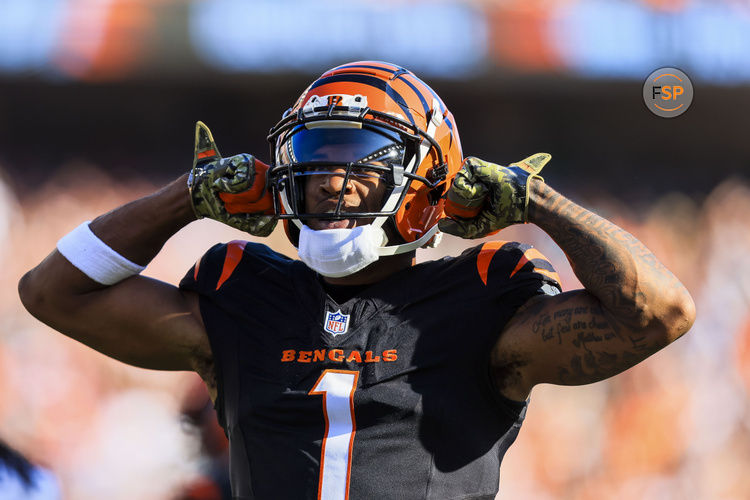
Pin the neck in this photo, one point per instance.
(377, 271)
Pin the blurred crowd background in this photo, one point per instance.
(98, 100)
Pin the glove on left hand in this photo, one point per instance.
(230, 190)
(486, 197)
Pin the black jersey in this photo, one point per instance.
(386, 395)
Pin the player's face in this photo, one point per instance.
(325, 151)
(363, 192)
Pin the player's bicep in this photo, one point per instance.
(145, 322)
(140, 321)
(566, 339)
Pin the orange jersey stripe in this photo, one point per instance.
(528, 256)
(354, 432)
(485, 257)
(235, 250)
(549, 274)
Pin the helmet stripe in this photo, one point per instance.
(418, 93)
(434, 94)
(372, 82)
(397, 73)
(367, 66)
(421, 97)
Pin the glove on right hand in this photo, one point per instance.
(230, 190)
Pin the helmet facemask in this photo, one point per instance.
(340, 135)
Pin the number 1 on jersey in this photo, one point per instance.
(337, 388)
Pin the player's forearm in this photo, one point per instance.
(631, 284)
(136, 230)
(139, 229)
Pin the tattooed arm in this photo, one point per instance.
(631, 305)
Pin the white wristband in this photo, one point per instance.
(95, 258)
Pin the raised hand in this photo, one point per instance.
(230, 190)
(486, 197)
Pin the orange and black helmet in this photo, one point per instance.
(388, 122)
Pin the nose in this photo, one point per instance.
(333, 183)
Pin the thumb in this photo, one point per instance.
(205, 146)
(534, 163)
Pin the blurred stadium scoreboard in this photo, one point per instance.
(116, 39)
(88, 79)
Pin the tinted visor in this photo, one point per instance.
(363, 153)
(350, 145)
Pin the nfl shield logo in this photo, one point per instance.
(336, 323)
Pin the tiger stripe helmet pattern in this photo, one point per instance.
(374, 98)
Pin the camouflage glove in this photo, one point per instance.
(486, 197)
(230, 190)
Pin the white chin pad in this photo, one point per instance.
(340, 252)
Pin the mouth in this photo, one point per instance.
(318, 224)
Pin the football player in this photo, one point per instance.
(354, 372)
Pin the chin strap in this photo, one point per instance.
(408, 247)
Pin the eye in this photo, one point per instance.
(368, 175)
(362, 174)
